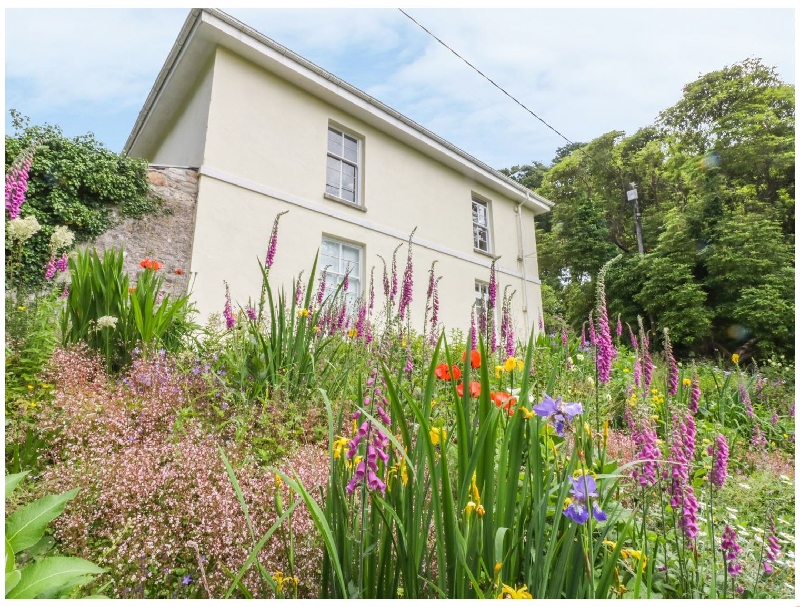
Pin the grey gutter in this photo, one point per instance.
(195, 15)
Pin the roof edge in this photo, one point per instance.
(195, 17)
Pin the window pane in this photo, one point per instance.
(348, 194)
(334, 142)
(480, 238)
(351, 254)
(479, 213)
(350, 148)
(333, 174)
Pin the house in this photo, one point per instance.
(268, 131)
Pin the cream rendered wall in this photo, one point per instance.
(264, 131)
(184, 143)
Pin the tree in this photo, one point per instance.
(715, 182)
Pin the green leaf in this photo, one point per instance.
(12, 579)
(12, 480)
(25, 527)
(50, 572)
(9, 557)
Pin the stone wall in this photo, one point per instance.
(166, 237)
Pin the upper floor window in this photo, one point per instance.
(344, 159)
(480, 225)
(340, 258)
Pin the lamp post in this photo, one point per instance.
(637, 216)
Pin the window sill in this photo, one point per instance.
(352, 205)
(486, 254)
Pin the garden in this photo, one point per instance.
(637, 444)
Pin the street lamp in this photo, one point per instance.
(637, 216)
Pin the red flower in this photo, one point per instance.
(475, 358)
(150, 264)
(179, 271)
(444, 372)
(503, 400)
(474, 389)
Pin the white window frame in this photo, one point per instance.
(482, 300)
(478, 227)
(335, 275)
(336, 191)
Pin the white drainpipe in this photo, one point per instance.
(521, 260)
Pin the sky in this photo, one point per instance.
(583, 71)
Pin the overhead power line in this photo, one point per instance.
(497, 86)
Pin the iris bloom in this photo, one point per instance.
(584, 489)
(507, 592)
(558, 413)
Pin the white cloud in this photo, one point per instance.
(59, 58)
(585, 72)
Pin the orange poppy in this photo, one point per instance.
(504, 400)
(178, 271)
(444, 372)
(474, 389)
(474, 360)
(150, 264)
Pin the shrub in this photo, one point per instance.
(149, 493)
(111, 317)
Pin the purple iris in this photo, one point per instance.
(583, 488)
(557, 413)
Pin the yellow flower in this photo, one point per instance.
(470, 508)
(403, 343)
(520, 364)
(605, 432)
(687, 381)
(338, 445)
(507, 592)
(610, 544)
(31, 404)
(21, 308)
(510, 364)
(480, 510)
(528, 414)
(735, 359)
(278, 578)
(352, 333)
(438, 434)
(30, 387)
(498, 371)
(626, 370)
(45, 386)
(497, 568)
(317, 329)
(278, 480)
(302, 312)
(473, 491)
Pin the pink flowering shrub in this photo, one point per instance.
(149, 492)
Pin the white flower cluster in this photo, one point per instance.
(106, 321)
(61, 238)
(20, 230)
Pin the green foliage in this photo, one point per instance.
(496, 521)
(73, 182)
(113, 318)
(715, 182)
(48, 577)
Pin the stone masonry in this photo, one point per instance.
(166, 237)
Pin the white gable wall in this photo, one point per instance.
(184, 143)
